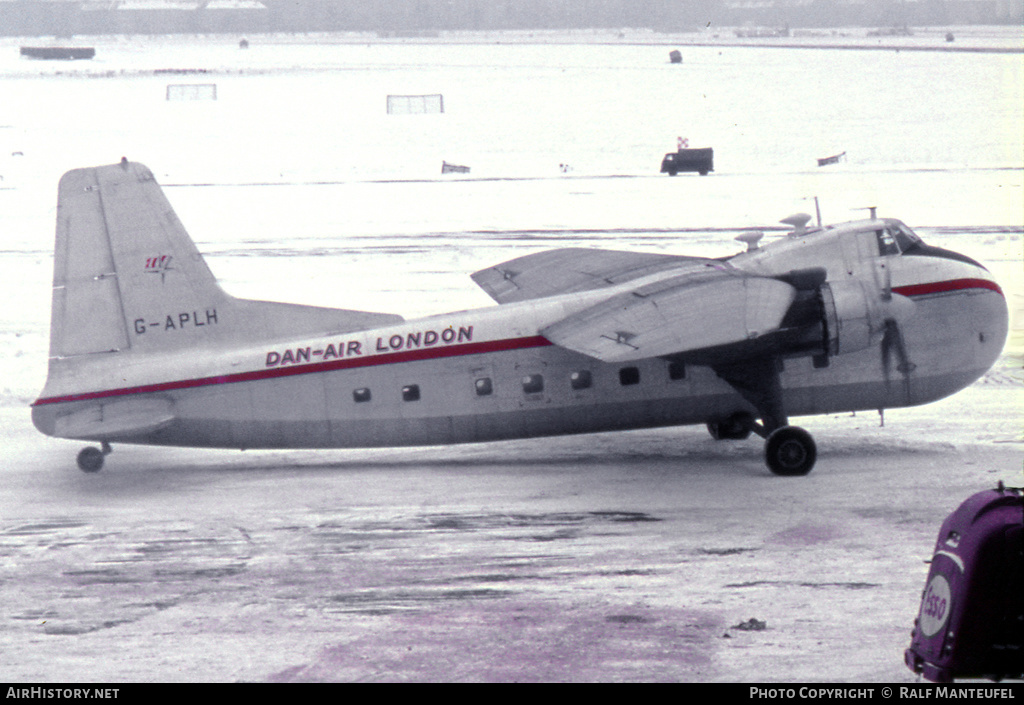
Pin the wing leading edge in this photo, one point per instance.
(698, 304)
(675, 316)
(572, 270)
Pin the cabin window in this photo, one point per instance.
(484, 387)
(411, 392)
(629, 375)
(533, 384)
(360, 395)
(676, 371)
(581, 379)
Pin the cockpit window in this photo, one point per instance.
(886, 242)
(904, 236)
(895, 238)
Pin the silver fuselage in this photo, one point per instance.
(488, 374)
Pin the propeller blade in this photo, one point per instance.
(890, 334)
(893, 345)
(896, 307)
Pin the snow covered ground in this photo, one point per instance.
(617, 557)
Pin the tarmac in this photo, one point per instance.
(640, 556)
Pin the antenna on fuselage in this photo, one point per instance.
(872, 210)
(751, 239)
(817, 209)
(799, 222)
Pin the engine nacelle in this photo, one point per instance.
(853, 318)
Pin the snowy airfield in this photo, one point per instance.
(627, 556)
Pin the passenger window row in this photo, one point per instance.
(534, 383)
(410, 392)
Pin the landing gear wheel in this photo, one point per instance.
(790, 451)
(90, 459)
(735, 428)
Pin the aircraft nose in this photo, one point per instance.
(946, 271)
(959, 325)
(985, 314)
(920, 249)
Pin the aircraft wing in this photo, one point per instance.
(690, 312)
(572, 269)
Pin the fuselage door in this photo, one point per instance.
(870, 252)
(859, 250)
(888, 251)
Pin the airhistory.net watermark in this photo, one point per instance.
(62, 693)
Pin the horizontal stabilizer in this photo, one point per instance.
(123, 418)
(678, 315)
(572, 269)
(274, 320)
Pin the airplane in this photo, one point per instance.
(147, 348)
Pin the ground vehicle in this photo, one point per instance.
(700, 160)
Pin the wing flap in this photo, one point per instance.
(676, 316)
(572, 269)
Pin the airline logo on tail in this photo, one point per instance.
(159, 265)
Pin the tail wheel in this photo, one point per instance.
(790, 451)
(90, 459)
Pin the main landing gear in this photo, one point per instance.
(90, 459)
(788, 450)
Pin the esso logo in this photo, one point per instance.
(935, 606)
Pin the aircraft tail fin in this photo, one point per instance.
(128, 278)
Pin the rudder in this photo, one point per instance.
(129, 282)
(127, 277)
(125, 267)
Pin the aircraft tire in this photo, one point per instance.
(790, 451)
(90, 459)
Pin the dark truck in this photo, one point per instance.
(699, 160)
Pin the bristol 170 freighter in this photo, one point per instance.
(145, 346)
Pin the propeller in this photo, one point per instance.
(895, 308)
(893, 346)
(858, 315)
